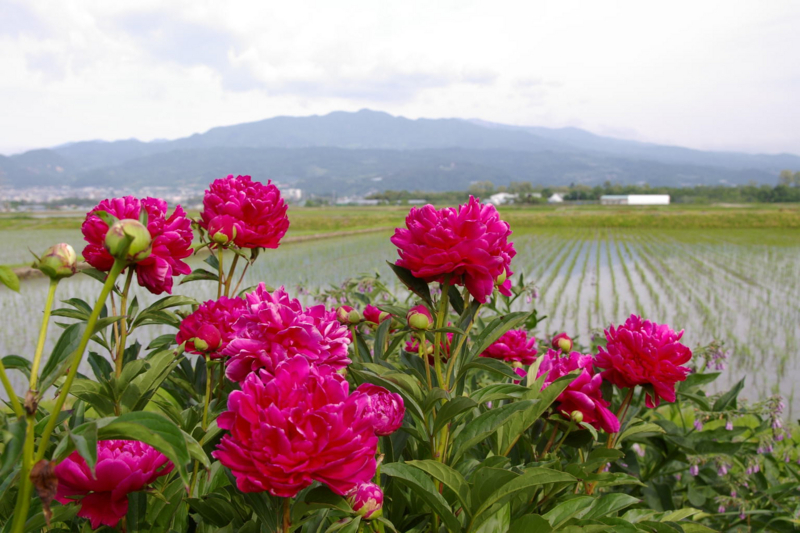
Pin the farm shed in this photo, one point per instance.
(634, 199)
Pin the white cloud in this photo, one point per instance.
(711, 74)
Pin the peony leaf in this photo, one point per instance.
(453, 479)
(423, 487)
(200, 274)
(450, 410)
(530, 522)
(484, 425)
(9, 278)
(728, 400)
(610, 503)
(415, 285)
(12, 451)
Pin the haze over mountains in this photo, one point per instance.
(349, 153)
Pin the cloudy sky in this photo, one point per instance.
(703, 73)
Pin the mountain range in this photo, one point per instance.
(351, 153)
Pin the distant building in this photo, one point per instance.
(501, 198)
(292, 194)
(634, 199)
(556, 198)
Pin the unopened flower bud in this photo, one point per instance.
(501, 278)
(59, 261)
(222, 229)
(347, 315)
(562, 342)
(366, 499)
(141, 243)
(419, 318)
(576, 416)
(208, 338)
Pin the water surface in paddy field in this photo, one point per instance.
(717, 285)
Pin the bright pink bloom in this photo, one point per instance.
(275, 328)
(641, 352)
(562, 342)
(295, 428)
(375, 315)
(469, 243)
(255, 210)
(172, 240)
(583, 394)
(366, 499)
(513, 346)
(387, 408)
(123, 466)
(521, 372)
(213, 324)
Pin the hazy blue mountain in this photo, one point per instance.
(348, 152)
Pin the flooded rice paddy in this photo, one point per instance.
(737, 286)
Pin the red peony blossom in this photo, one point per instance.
(249, 213)
(641, 352)
(374, 315)
(366, 499)
(275, 328)
(296, 427)
(171, 240)
(212, 324)
(583, 394)
(387, 408)
(123, 466)
(469, 243)
(513, 346)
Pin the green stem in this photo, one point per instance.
(287, 515)
(123, 326)
(12, 396)
(208, 392)
(566, 434)
(37, 356)
(229, 277)
(238, 283)
(426, 364)
(355, 343)
(454, 353)
(441, 317)
(26, 487)
(78, 357)
(551, 440)
(221, 273)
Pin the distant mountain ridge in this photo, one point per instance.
(370, 150)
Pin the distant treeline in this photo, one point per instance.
(788, 190)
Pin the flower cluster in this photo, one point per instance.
(641, 352)
(513, 347)
(275, 328)
(123, 466)
(469, 245)
(171, 240)
(244, 212)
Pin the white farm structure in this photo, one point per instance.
(634, 199)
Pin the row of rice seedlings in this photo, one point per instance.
(562, 294)
(614, 292)
(547, 282)
(639, 309)
(636, 260)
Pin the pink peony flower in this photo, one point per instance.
(583, 394)
(366, 499)
(387, 408)
(562, 342)
(249, 213)
(212, 324)
(641, 352)
(375, 315)
(513, 346)
(171, 240)
(469, 243)
(297, 427)
(123, 466)
(275, 328)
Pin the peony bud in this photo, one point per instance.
(419, 318)
(59, 261)
(562, 342)
(576, 416)
(222, 229)
(140, 247)
(366, 499)
(208, 338)
(501, 278)
(347, 315)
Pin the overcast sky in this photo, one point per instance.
(703, 74)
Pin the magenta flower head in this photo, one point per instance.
(374, 315)
(123, 466)
(419, 318)
(641, 352)
(209, 330)
(366, 499)
(469, 244)
(513, 346)
(248, 213)
(387, 408)
(562, 342)
(296, 427)
(583, 394)
(275, 327)
(171, 240)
